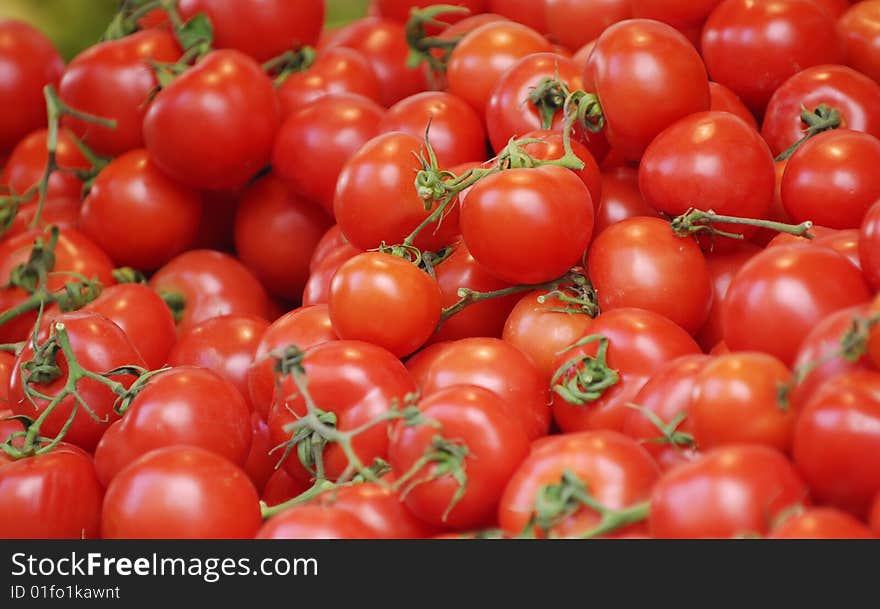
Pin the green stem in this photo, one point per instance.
(614, 520)
(320, 487)
(422, 46)
(823, 118)
(696, 221)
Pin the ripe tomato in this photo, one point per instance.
(858, 29)
(733, 491)
(869, 245)
(383, 44)
(679, 14)
(260, 28)
(821, 523)
(331, 240)
(136, 214)
(260, 464)
(722, 99)
(280, 487)
(690, 164)
(315, 522)
(575, 23)
(875, 516)
(304, 328)
(638, 263)
(213, 126)
(114, 80)
(616, 471)
(753, 47)
(850, 157)
(546, 226)
(527, 12)
(738, 399)
(220, 500)
(551, 147)
(355, 381)
(835, 436)
(621, 198)
(484, 54)
(317, 290)
(316, 140)
(7, 361)
(55, 495)
(669, 395)
(335, 70)
(641, 64)
(30, 63)
(268, 215)
(463, 491)
(399, 10)
(844, 242)
(853, 94)
(225, 345)
(638, 342)
(495, 365)
(759, 313)
(209, 284)
(27, 163)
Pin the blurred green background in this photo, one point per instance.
(75, 24)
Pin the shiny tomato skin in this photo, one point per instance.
(527, 12)
(475, 418)
(835, 436)
(7, 361)
(221, 501)
(99, 346)
(874, 519)
(722, 99)
(732, 491)
(551, 147)
(55, 495)
(759, 313)
(268, 215)
(621, 198)
(845, 242)
(575, 23)
(260, 464)
(376, 200)
(331, 240)
(821, 523)
(869, 245)
(213, 127)
(859, 30)
(27, 162)
(615, 469)
(225, 345)
(641, 63)
(484, 54)
(262, 29)
(384, 300)
(317, 289)
(211, 284)
(753, 47)
(30, 62)
(673, 12)
(315, 141)
(280, 487)
(456, 135)
(304, 327)
(638, 262)
(183, 406)
(138, 215)
(114, 80)
(548, 223)
(315, 522)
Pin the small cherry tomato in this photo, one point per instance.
(821, 523)
(315, 522)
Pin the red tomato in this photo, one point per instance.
(639, 342)
(821, 523)
(458, 492)
(210, 284)
(225, 345)
(854, 95)
(692, 164)
(759, 312)
(221, 502)
(875, 516)
(213, 127)
(835, 437)
(850, 156)
(638, 262)
(354, 380)
(733, 491)
(315, 522)
(647, 76)
(621, 198)
(55, 495)
(7, 362)
(27, 163)
(737, 400)
(136, 214)
(330, 241)
(99, 346)
(62, 212)
(183, 406)
(280, 487)
(616, 471)
(317, 290)
(495, 365)
(844, 242)
(217, 227)
(304, 328)
(30, 63)
(383, 44)
(673, 12)
(753, 47)
(858, 29)
(114, 80)
(723, 265)
(268, 215)
(382, 171)
(260, 28)
(575, 23)
(723, 99)
(669, 395)
(527, 12)
(546, 226)
(484, 54)
(552, 148)
(260, 464)
(316, 140)
(869, 245)
(399, 10)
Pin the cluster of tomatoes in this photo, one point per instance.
(510, 268)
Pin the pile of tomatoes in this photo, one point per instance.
(506, 268)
